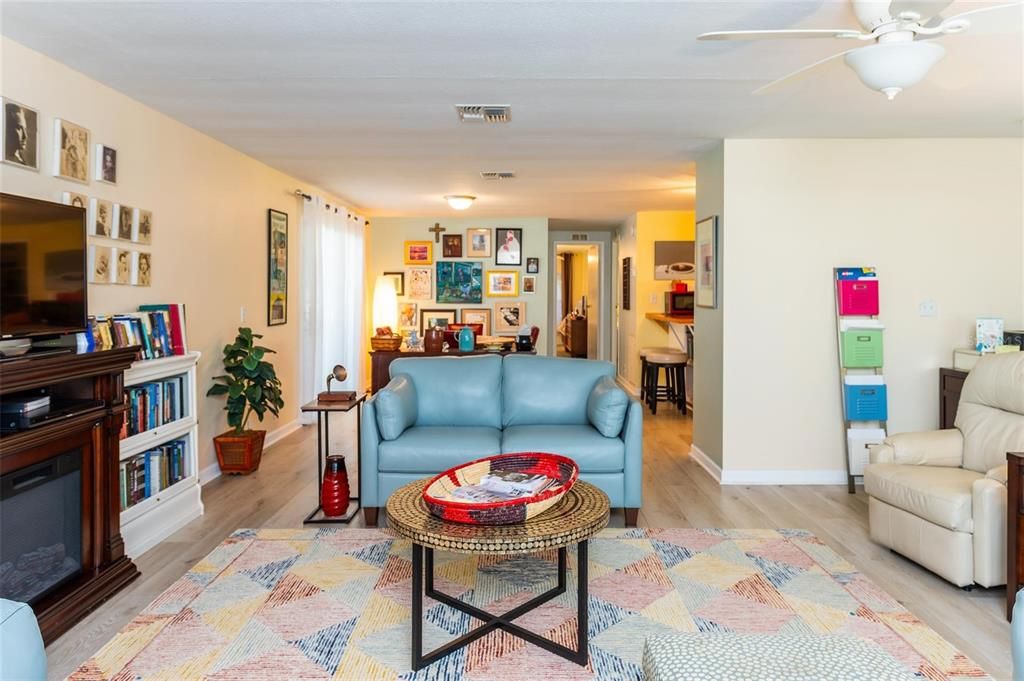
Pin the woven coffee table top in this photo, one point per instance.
(581, 514)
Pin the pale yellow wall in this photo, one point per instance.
(209, 206)
(387, 235)
(941, 219)
(636, 239)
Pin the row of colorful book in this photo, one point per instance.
(152, 404)
(159, 330)
(147, 473)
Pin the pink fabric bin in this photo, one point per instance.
(858, 297)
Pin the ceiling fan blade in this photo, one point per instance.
(785, 33)
(799, 72)
(950, 24)
(923, 9)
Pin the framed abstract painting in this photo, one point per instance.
(277, 273)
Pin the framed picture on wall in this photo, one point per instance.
(421, 283)
(673, 260)
(529, 284)
(20, 135)
(459, 282)
(407, 315)
(101, 217)
(502, 283)
(399, 279)
(706, 294)
(451, 245)
(509, 246)
(70, 151)
(75, 199)
(142, 268)
(106, 164)
(509, 317)
(419, 253)
(533, 265)
(436, 317)
(143, 226)
(478, 315)
(277, 273)
(479, 242)
(124, 222)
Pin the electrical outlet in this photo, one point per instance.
(241, 314)
(928, 308)
(654, 299)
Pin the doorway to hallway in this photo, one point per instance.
(577, 303)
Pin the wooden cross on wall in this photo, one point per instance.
(437, 229)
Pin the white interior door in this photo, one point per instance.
(593, 302)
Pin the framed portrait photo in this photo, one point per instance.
(533, 265)
(124, 222)
(706, 246)
(143, 233)
(20, 135)
(101, 217)
(100, 264)
(451, 245)
(142, 268)
(529, 284)
(502, 283)
(509, 246)
(399, 279)
(421, 283)
(436, 317)
(478, 315)
(277, 272)
(75, 199)
(106, 164)
(509, 317)
(419, 253)
(478, 242)
(71, 144)
(123, 258)
(459, 282)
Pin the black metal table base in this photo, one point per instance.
(323, 445)
(491, 621)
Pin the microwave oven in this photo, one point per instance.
(679, 303)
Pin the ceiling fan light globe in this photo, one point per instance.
(892, 67)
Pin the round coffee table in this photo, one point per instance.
(581, 514)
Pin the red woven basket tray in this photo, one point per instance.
(560, 468)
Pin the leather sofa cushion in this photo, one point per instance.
(991, 411)
(21, 646)
(591, 450)
(396, 407)
(606, 407)
(432, 449)
(940, 495)
(548, 390)
(455, 391)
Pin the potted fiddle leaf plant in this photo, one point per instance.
(252, 387)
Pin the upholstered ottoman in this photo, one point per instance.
(767, 657)
(22, 657)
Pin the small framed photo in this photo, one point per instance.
(509, 247)
(419, 253)
(421, 283)
(440, 317)
(478, 315)
(451, 245)
(106, 164)
(122, 265)
(71, 151)
(100, 264)
(142, 268)
(479, 242)
(529, 284)
(533, 265)
(509, 317)
(502, 283)
(399, 279)
(75, 199)
(101, 217)
(124, 222)
(706, 248)
(143, 233)
(20, 135)
(407, 315)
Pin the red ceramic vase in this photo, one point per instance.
(334, 494)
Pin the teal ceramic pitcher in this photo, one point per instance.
(467, 340)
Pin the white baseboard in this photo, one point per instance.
(212, 472)
(705, 462)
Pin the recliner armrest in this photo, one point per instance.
(999, 474)
(931, 448)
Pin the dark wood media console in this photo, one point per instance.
(92, 432)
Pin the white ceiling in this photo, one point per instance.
(611, 101)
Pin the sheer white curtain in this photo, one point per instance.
(332, 307)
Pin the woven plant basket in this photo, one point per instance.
(386, 342)
(239, 454)
(560, 468)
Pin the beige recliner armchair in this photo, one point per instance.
(939, 498)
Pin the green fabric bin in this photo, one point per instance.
(862, 348)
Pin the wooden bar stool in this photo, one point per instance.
(644, 368)
(674, 391)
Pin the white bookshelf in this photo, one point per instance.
(150, 521)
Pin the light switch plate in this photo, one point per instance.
(928, 308)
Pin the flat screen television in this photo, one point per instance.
(43, 291)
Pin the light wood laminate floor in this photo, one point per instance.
(677, 493)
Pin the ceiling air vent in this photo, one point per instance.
(484, 113)
(581, 237)
(497, 174)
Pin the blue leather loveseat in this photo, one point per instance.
(438, 412)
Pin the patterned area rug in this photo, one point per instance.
(335, 604)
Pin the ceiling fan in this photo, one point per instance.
(900, 33)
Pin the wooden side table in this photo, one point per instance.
(323, 445)
(1014, 528)
(581, 514)
(951, 382)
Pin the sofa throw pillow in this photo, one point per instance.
(606, 407)
(396, 407)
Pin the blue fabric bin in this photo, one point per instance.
(866, 402)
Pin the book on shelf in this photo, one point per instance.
(153, 404)
(158, 330)
(152, 471)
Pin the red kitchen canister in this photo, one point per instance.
(334, 493)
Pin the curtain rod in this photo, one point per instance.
(307, 197)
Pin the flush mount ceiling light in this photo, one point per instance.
(459, 201)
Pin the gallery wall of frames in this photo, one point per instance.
(460, 270)
(120, 233)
